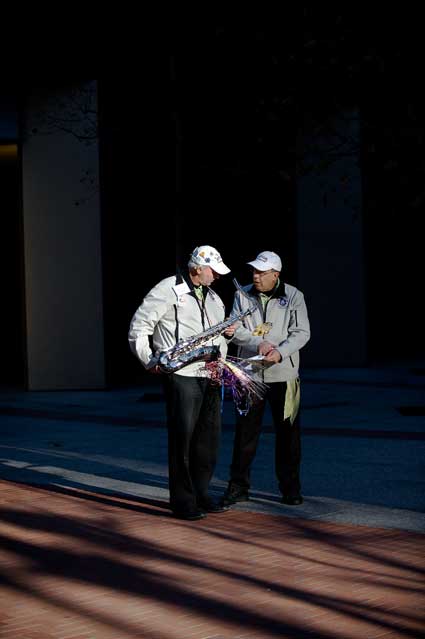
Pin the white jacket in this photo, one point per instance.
(171, 312)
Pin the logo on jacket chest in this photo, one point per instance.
(283, 301)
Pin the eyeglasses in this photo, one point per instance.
(263, 273)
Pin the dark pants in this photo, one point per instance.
(194, 425)
(287, 444)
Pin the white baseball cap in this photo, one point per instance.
(209, 256)
(267, 260)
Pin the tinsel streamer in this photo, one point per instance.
(233, 373)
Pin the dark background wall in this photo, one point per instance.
(11, 316)
(243, 93)
(157, 206)
(137, 177)
(232, 102)
(237, 98)
(394, 202)
(12, 370)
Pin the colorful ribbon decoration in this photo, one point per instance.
(232, 373)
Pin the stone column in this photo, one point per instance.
(62, 239)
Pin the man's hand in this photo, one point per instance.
(273, 356)
(155, 370)
(230, 330)
(265, 347)
(270, 353)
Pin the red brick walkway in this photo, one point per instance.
(78, 565)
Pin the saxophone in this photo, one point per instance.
(193, 349)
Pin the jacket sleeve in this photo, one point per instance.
(243, 336)
(154, 306)
(298, 329)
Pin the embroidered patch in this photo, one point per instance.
(283, 301)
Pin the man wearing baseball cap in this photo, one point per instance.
(178, 308)
(276, 331)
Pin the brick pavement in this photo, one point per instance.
(79, 565)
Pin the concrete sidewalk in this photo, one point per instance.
(89, 548)
(363, 445)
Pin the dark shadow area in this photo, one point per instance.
(414, 411)
(66, 416)
(12, 370)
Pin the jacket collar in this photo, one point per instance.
(182, 275)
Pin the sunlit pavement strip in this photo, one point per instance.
(325, 509)
(339, 511)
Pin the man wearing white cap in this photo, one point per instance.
(276, 331)
(178, 308)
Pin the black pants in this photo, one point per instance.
(287, 444)
(194, 425)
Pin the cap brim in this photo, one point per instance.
(260, 266)
(220, 268)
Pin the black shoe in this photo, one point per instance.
(292, 500)
(190, 514)
(234, 494)
(208, 505)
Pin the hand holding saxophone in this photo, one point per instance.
(195, 348)
(230, 330)
(155, 370)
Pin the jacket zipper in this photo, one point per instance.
(264, 309)
(296, 324)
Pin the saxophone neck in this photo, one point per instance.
(199, 339)
(240, 316)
